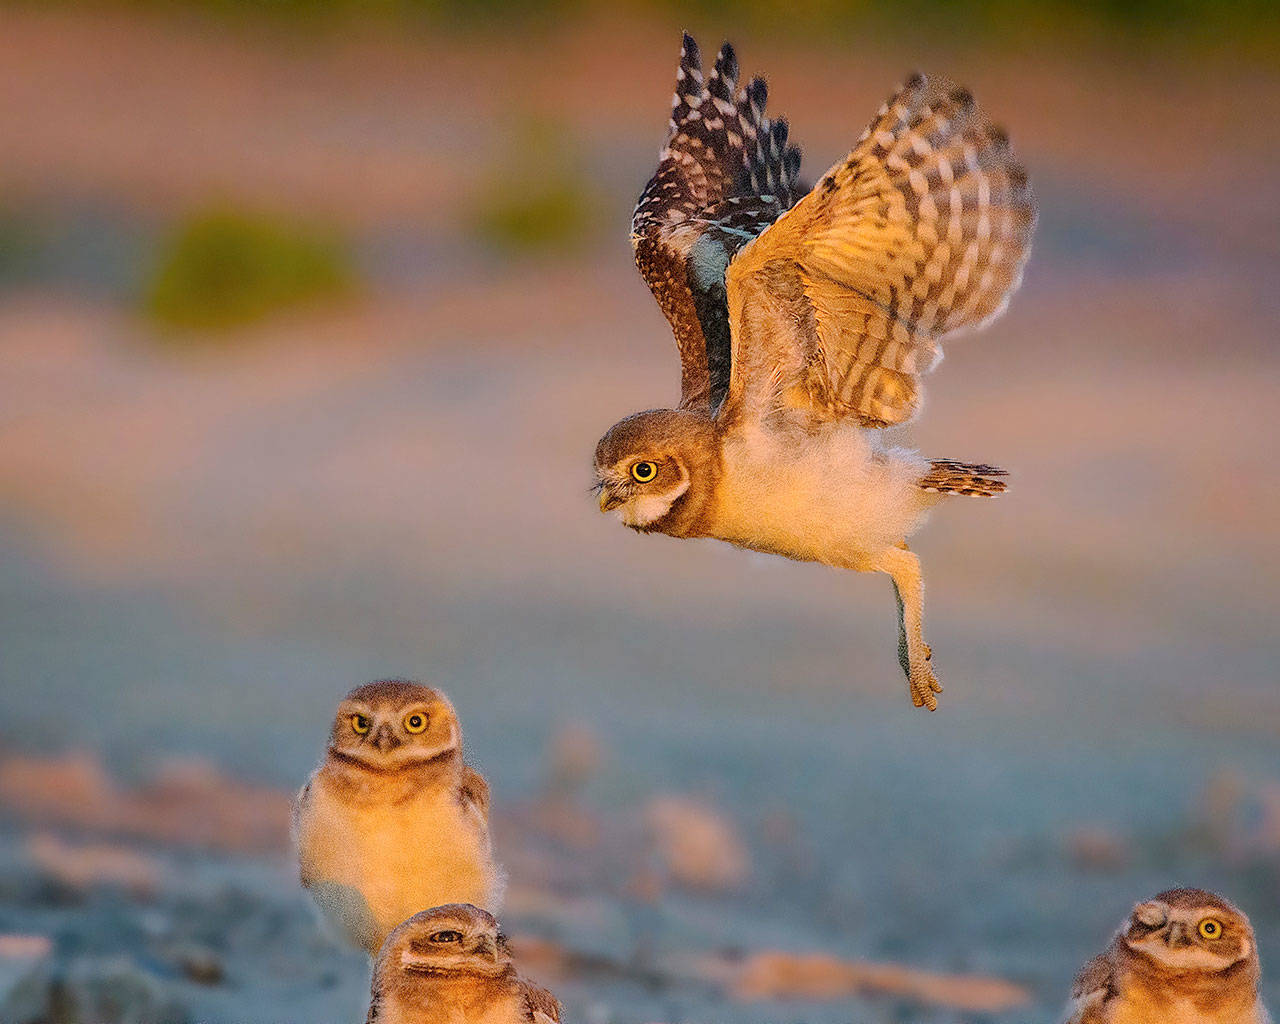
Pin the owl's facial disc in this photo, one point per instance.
(390, 735)
(464, 950)
(646, 463)
(641, 489)
(1186, 939)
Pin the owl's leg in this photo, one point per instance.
(903, 567)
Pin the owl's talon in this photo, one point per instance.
(923, 685)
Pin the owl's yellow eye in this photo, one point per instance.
(415, 722)
(643, 472)
(1210, 928)
(449, 936)
(361, 723)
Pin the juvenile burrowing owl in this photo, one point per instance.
(392, 821)
(805, 321)
(451, 965)
(1184, 957)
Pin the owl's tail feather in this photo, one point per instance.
(975, 479)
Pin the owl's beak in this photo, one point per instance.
(609, 501)
(384, 739)
(1177, 935)
(489, 948)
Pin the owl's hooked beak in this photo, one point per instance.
(384, 739)
(609, 500)
(1178, 935)
(488, 947)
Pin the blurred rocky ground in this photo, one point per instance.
(125, 905)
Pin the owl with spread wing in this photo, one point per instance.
(805, 319)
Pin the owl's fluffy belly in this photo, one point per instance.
(1177, 1011)
(465, 1001)
(376, 865)
(837, 501)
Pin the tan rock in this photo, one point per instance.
(778, 975)
(698, 846)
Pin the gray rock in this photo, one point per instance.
(26, 964)
(111, 990)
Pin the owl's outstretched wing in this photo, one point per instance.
(725, 174)
(1093, 986)
(837, 309)
(541, 1007)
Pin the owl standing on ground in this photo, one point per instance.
(392, 821)
(451, 965)
(1186, 956)
(804, 321)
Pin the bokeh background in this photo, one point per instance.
(311, 314)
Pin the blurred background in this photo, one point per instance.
(311, 313)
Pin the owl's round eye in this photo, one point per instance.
(643, 472)
(361, 723)
(447, 937)
(1210, 928)
(415, 722)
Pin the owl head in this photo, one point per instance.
(457, 939)
(1189, 930)
(394, 724)
(650, 463)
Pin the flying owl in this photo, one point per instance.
(392, 821)
(451, 964)
(1186, 956)
(805, 318)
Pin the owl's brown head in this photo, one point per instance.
(656, 468)
(394, 724)
(454, 939)
(441, 964)
(1189, 930)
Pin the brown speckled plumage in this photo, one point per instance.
(973, 479)
(725, 174)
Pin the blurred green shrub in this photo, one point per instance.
(538, 197)
(20, 244)
(224, 268)
(1203, 24)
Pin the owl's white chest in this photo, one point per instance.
(373, 864)
(834, 496)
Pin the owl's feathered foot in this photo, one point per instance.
(922, 683)
(914, 655)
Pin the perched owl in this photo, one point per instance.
(392, 821)
(1184, 957)
(451, 965)
(805, 320)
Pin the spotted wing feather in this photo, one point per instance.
(946, 476)
(725, 173)
(474, 791)
(541, 1007)
(837, 309)
(1094, 986)
(300, 836)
